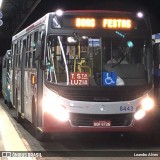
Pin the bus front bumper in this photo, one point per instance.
(51, 125)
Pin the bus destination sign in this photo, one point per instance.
(108, 23)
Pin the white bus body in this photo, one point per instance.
(61, 81)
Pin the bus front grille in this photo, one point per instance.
(88, 119)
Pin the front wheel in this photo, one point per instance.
(5, 101)
(18, 115)
(39, 135)
(10, 105)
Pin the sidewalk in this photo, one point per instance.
(10, 140)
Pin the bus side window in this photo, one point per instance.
(35, 39)
(30, 59)
(19, 53)
(16, 53)
(27, 52)
(31, 44)
(4, 63)
(39, 49)
(26, 60)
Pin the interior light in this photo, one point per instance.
(84, 37)
(130, 44)
(120, 34)
(71, 40)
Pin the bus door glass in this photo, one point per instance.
(72, 55)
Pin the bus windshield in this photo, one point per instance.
(98, 60)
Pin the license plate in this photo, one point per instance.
(102, 123)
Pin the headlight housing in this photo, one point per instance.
(52, 105)
(147, 104)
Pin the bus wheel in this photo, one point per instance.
(10, 105)
(5, 101)
(39, 135)
(18, 115)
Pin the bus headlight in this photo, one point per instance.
(53, 106)
(139, 114)
(147, 103)
(61, 113)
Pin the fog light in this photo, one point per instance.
(139, 114)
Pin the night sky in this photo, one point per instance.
(151, 7)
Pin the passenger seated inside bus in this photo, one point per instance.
(117, 57)
(127, 66)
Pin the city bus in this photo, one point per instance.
(6, 64)
(64, 76)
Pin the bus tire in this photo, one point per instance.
(10, 105)
(39, 135)
(5, 101)
(18, 115)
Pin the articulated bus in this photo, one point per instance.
(6, 64)
(83, 71)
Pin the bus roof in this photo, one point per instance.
(43, 19)
(32, 26)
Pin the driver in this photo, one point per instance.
(116, 57)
